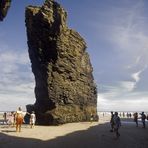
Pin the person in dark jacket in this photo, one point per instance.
(143, 117)
(117, 124)
(112, 122)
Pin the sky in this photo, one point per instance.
(117, 41)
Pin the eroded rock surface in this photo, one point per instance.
(65, 90)
(4, 6)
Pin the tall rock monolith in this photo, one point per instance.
(64, 85)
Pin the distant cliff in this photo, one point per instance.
(4, 6)
(64, 86)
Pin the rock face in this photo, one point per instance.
(4, 6)
(65, 89)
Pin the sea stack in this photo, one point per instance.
(64, 85)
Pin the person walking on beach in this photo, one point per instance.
(112, 122)
(19, 119)
(5, 118)
(32, 119)
(117, 124)
(143, 117)
(136, 118)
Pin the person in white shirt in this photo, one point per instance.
(32, 119)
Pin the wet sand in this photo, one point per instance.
(75, 135)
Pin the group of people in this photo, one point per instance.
(128, 115)
(17, 119)
(143, 118)
(115, 121)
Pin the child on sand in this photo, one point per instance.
(32, 119)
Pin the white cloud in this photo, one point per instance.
(127, 86)
(136, 76)
(104, 104)
(125, 31)
(122, 97)
(17, 82)
(118, 89)
(130, 102)
(12, 56)
(10, 102)
(128, 34)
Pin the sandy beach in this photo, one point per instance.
(75, 135)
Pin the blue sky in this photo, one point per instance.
(117, 39)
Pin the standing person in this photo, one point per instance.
(112, 122)
(5, 118)
(117, 124)
(143, 117)
(32, 119)
(123, 114)
(136, 118)
(127, 115)
(120, 114)
(11, 119)
(14, 117)
(19, 119)
(91, 117)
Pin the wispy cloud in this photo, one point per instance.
(128, 34)
(124, 30)
(126, 86)
(117, 89)
(136, 76)
(133, 101)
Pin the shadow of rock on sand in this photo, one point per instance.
(95, 137)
